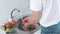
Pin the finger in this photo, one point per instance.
(26, 25)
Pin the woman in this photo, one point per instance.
(47, 13)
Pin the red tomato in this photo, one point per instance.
(14, 22)
(33, 26)
(24, 22)
(8, 25)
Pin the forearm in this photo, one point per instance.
(35, 17)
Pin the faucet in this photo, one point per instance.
(13, 11)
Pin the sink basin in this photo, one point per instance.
(19, 20)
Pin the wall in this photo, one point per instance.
(6, 6)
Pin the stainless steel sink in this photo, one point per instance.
(23, 32)
(21, 28)
(19, 17)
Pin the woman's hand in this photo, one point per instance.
(34, 18)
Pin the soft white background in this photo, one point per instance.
(6, 6)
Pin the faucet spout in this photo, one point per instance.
(13, 11)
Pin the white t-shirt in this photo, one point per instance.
(50, 11)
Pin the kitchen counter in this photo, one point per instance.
(38, 31)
